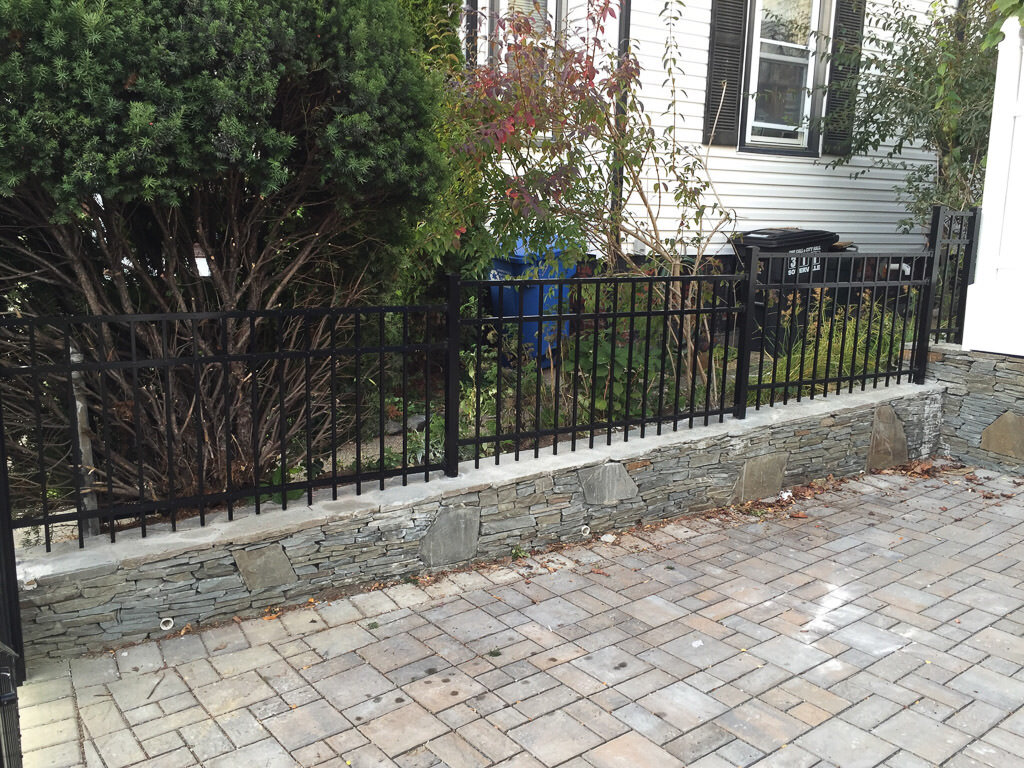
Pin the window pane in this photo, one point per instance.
(781, 90)
(777, 135)
(788, 21)
(535, 9)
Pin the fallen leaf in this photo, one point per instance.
(798, 515)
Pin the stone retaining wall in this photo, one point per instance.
(983, 411)
(112, 593)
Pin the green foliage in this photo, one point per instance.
(925, 83)
(289, 146)
(275, 479)
(271, 135)
(1002, 10)
(437, 23)
(424, 450)
(451, 236)
(834, 341)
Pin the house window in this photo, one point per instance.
(766, 67)
(782, 67)
(537, 10)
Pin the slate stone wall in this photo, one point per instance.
(109, 594)
(983, 411)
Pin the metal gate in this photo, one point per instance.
(10, 736)
(12, 664)
(953, 236)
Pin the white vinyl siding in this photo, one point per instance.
(765, 190)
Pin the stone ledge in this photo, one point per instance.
(194, 576)
(982, 388)
(131, 550)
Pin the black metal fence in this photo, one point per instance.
(10, 736)
(953, 237)
(831, 322)
(10, 616)
(125, 420)
(577, 360)
(110, 422)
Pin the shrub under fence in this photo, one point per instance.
(151, 417)
(595, 356)
(855, 323)
(130, 420)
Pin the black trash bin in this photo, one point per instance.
(773, 327)
(803, 266)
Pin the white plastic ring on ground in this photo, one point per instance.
(167, 624)
(585, 530)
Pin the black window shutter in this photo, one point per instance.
(846, 40)
(725, 72)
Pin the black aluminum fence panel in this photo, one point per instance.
(574, 361)
(10, 609)
(112, 421)
(121, 421)
(10, 735)
(953, 237)
(831, 322)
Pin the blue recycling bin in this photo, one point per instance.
(540, 337)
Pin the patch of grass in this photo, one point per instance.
(834, 341)
(518, 552)
(494, 652)
(372, 625)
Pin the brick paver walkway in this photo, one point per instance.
(884, 629)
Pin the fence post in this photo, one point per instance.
(966, 276)
(924, 318)
(972, 247)
(451, 380)
(88, 471)
(746, 326)
(935, 237)
(935, 227)
(10, 609)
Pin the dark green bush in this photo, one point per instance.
(285, 140)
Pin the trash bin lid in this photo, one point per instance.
(524, 254)
(785, 238)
